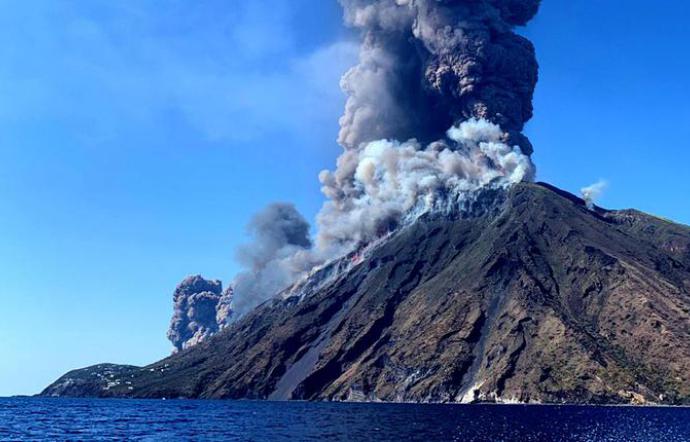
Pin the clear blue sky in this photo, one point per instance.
(137, 139)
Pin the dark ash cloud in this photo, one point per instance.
(196, 314)
(428, 64)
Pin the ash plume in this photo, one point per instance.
(195, 309)
(434, 113)
(428, 64)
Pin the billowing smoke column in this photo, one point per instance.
(434, 113)
(200, 310)
(427, 64)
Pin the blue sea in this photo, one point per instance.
(34, 419)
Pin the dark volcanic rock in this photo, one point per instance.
(535, 299)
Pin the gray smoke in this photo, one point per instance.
(275, 257)
(428, 64)
(196, 311)
(224, 311)
(435, 112)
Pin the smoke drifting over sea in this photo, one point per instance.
(435, 111)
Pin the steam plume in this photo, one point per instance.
(592, 193)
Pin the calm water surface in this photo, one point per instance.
(104, 420)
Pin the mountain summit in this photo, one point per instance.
(529, 296)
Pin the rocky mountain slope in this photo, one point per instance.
(531, 298)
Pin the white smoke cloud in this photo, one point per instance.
(593, 192)
(376, 187)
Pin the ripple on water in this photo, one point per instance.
(105, 420)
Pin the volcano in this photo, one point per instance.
(527, 296)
